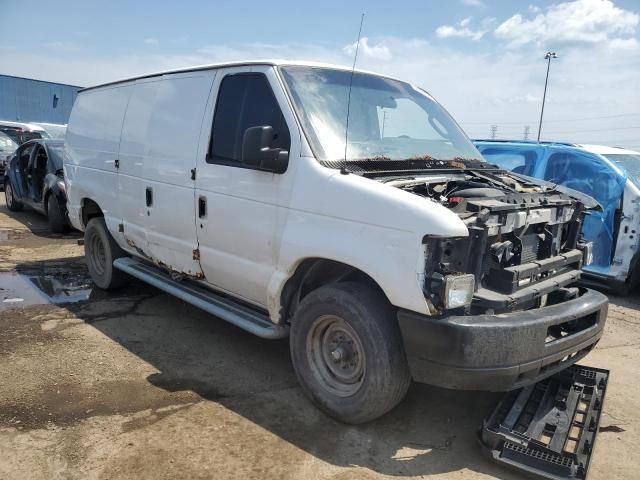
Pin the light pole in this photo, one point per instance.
(548, 58)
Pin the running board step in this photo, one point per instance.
(218, 305)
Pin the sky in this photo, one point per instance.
(482, 59)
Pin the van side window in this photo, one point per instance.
(245, 100)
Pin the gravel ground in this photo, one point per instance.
(138, 384)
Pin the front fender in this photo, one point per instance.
(363, 223)
(394, 259)
(54, 185)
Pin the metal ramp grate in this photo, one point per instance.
(548, 430)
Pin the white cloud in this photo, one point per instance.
(462, 29)
(379, 51)
(624, 43)
(473, 3)
(578, 21)
(150, 41)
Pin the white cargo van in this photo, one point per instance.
(400, 255)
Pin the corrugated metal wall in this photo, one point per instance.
(26, 100)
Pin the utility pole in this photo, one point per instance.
(384, 121)
(494, 132)
(548, 58)
(527, 131)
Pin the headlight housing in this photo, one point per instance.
(458, 290)
(587, 253)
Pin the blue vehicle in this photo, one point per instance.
(610, 175)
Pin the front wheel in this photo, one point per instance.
(100, 250)
(12, 204)
(348, 353)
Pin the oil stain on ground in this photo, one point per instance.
(69, 403)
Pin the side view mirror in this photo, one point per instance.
(257, 151)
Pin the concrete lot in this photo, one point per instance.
(137, 384)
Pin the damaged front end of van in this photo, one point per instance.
(505, 308)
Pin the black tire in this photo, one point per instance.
(55, 216)
(12, 204)
(633, 279)
(349, 324)
(100, 250)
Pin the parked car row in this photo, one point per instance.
(609, 175)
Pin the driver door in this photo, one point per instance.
(241, 211)
(20, 175)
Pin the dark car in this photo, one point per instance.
(7, 147)
(34, 178)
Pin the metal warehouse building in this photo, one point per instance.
(27, 100)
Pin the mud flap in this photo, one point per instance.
(548, 430)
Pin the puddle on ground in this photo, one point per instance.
(18, 290)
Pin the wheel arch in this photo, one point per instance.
(89, 209)
(313, 273)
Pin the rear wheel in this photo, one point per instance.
(12, 204)
(55, 216)
(347, 352)
(100, 250)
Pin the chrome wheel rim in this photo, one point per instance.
(336, 355)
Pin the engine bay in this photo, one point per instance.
(524, 244)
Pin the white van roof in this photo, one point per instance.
(235, 64)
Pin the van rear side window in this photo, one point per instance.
(245, 100)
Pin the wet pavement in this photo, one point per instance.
(51, 285)
(137, 384)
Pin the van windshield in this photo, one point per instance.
(388, 119)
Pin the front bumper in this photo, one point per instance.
(505, 351)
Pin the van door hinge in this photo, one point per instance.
(117, 163)
(196, 254)
(193, 174)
